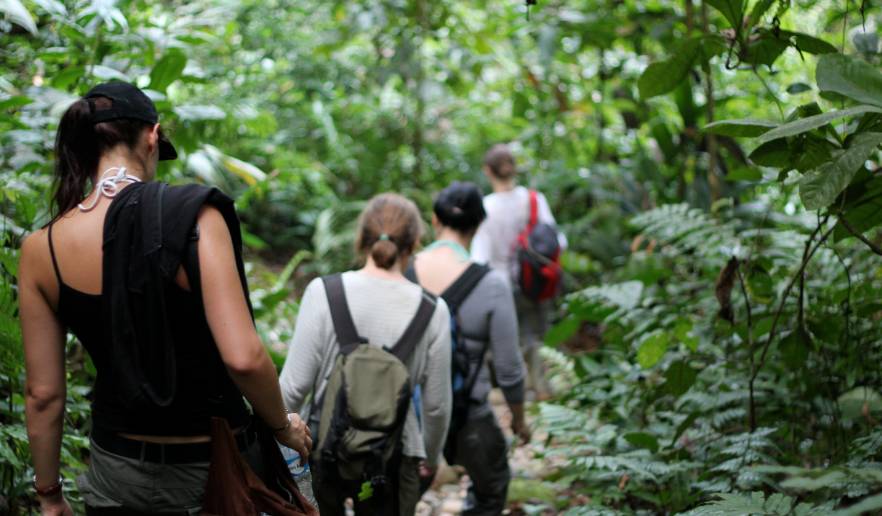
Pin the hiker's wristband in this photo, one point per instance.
(52, 490)
(284, 427)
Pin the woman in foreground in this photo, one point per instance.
(183, 294)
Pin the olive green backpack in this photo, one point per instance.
(369, 391)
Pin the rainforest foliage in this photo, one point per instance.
(715, 164)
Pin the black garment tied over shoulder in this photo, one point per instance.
(149, 233)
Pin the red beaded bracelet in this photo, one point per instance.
(52, 490)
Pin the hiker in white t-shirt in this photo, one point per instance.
(508, 212)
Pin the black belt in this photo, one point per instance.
(163, 453)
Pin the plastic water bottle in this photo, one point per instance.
(299, 471)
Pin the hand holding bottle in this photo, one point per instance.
(296, 435)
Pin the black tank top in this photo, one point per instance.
(204, 387)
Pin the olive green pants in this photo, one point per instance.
(123, 486)
(398, 499)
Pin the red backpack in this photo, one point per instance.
(538, 254)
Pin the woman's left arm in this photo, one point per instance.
(45, 388)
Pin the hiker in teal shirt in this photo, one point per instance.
(484, 325)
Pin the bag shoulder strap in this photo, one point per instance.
(417, 327)
(534, 209)
(473, 378)
(347, 335)
(191, 263)
(457, 292)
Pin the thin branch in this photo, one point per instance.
(750, 345)
(807, 256)
(770, 92)
(800, 318)
(710, 105)
(873, 247)
(846, 304)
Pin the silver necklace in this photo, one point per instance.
(108, 186)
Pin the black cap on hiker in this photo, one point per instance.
(128, 102)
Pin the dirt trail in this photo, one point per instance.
(447, 496)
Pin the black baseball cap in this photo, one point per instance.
(129, 102)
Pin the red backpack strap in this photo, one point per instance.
(534, 210)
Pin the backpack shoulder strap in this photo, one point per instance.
(410, 273)
(534, 209)
(456, 293)
(417, 327)
(347, 335)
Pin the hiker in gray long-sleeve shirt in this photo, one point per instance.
(486, 323)
(382, 304)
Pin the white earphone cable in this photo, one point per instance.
(109, 186)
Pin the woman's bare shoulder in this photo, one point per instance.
(35, 245)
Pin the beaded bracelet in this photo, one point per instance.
(52, 490)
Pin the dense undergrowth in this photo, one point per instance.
(714, 163)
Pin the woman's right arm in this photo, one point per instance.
(507, 360)
(240, 348)
(45, 385)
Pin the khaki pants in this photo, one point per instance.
(117, 485)
(532, 324)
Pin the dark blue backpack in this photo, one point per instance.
(462, 378)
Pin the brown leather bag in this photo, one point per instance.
(233, 489)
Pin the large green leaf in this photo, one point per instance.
(863, 205)
(642, 440)
(679, 378)
(16, 12)
(765, 49)
(809, 151)
(652, 349)
(760, 8)
(803, 125)
(854, 78)
(810, 44)
(168, 69)
(733, 10)
(861, 218)
(664, 76)
(14, 102)
(563, 330)
(859, 402)
(775, 153)
(745, 127)
(820, 187)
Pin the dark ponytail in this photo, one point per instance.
(388, 228)
(460, 206)
(79, 144)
